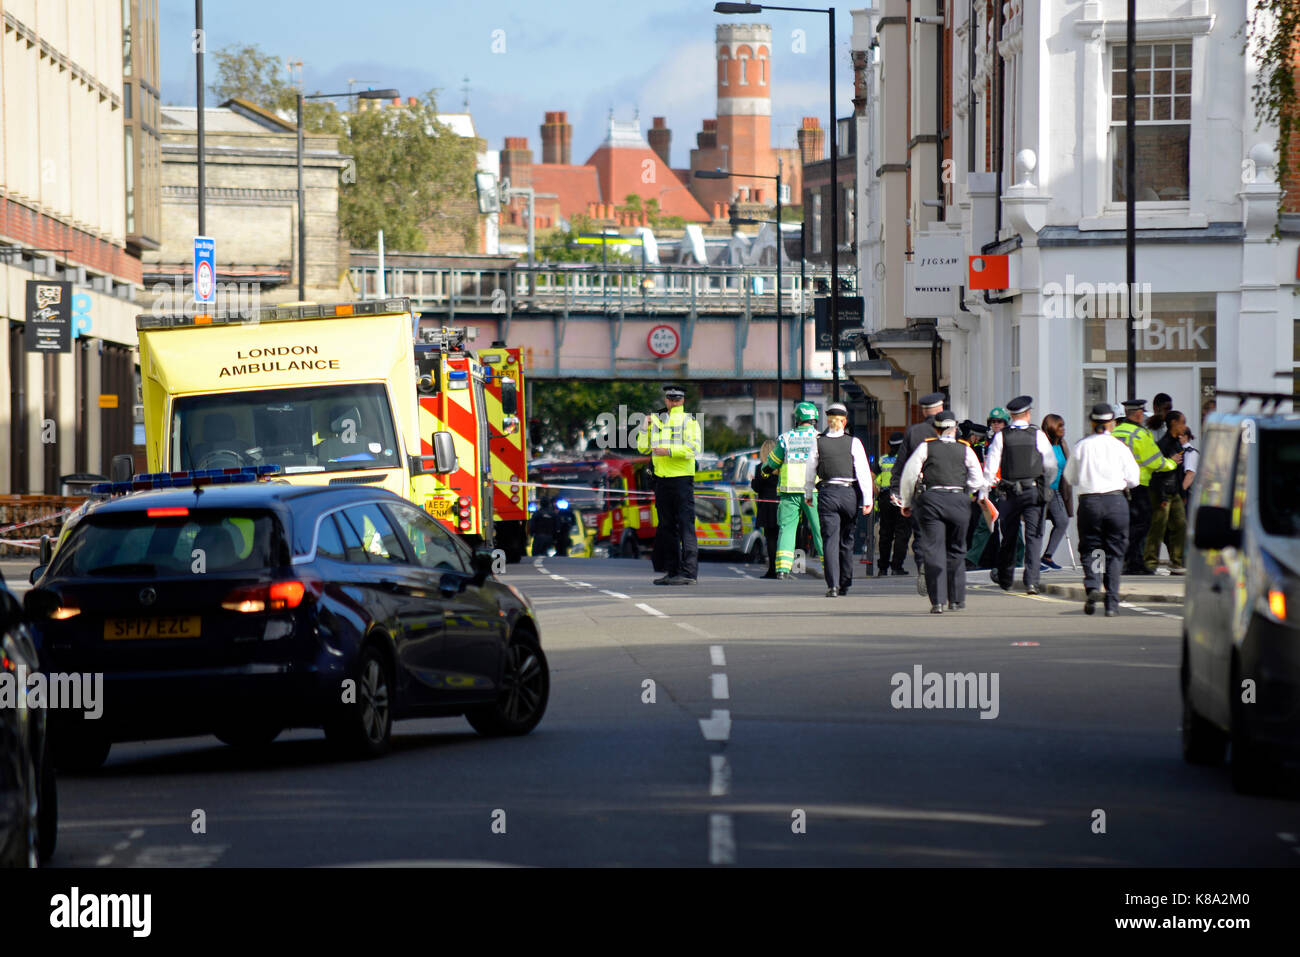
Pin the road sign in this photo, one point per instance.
(205, 269)
(663, 341)
(851, 313)
(108, 400)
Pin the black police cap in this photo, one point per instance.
(945, 419)
(1102, 412)
(934, 398)
(674, 391)
(1021, 403)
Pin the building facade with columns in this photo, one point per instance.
(1014, 146)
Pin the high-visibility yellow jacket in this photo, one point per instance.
(677, 432)
(886, 473)
(1143, 445)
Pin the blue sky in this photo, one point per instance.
(582, 56)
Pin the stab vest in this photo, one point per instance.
(834, 457)
(945, 464)
(1021, 459)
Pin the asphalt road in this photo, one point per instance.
(772, 740)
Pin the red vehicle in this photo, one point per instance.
(596, 490)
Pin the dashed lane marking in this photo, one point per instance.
(613, 594)
(719, 776)
(717, 727)
(716, 657)
(180, 855)
(687, 626)
(722, 840)
(719, 682)
(558, 578)
(650, 611)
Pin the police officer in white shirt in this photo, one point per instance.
(841, 465)
(1100, 469)
(936, 482)
(1021, 463)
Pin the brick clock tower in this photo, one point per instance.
(744, 120)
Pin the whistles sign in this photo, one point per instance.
(49, 316)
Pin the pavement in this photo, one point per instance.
(739, 722)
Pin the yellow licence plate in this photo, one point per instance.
(441, 507)
(184, 626)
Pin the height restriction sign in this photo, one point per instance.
(205, 266)
(663, 341)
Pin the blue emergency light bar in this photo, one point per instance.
(149, 481)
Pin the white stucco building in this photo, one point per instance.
(1038, 177)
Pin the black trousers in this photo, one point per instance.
(1103, 539)
(837, 510)
(675, 503)
(1016, 507)
(1139, 523)
(944, 516)
(772, 535)
(894, 531)
(542, 543)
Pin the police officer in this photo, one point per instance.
(913, 436)
(936, 483)
(1024, 456)
(543, 526)
(764, 485)
(1100, 470)
(893, 530)
(1134, 434)
(795, 455)
(841, 465)
(674, 442)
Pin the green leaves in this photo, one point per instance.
(1275, 30)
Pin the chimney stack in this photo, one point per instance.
(812, 140)
(707, 138)
(517, 162)
(660, 139)
(557, 138)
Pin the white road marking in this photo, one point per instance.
(180, 855)
(716, 657)
(583, 585)
(559, 578)
(687, 626)
(1147, 611)
(121, 845)
(613, 594)
(1117, 664)
(537, 562)
(717, 727)
(1288, 837)
(650, 611)
(136, 834)
(104, 861)
(720, 775)
(719, 685)
(722, 840)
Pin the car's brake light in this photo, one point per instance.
(276, 596)
(63, 612)
(167, 512)
(1277, 604)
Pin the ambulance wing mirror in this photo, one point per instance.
(509, 397)
(443, 459)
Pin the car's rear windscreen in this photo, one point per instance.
(135, 545)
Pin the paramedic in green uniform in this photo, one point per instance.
(796, 456)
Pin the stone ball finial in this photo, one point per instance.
(1026, 163)
(1263, 155)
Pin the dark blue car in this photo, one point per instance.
(242, 610)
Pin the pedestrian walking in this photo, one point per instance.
(913, 436)
(1134, 434)
(1060, 503)
(673, 440)
(843, 490)
(764, 485)
(1021, 461)
(795, 455)
(979, 539)
(1101, 471)
(893, 530)
(1167, 510)
(936, 484)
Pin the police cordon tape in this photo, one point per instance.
(36, 521)
(629, 493)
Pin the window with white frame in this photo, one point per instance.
(744, 62)
(1015, 359)
(724, 60)
(1162, 79)
(762, 68)
(817, 222)
(785, 192)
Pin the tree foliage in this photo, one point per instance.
(566, 411)
(1274, 31)
(408, 170)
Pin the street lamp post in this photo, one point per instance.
(749, 8)
(302, 206)
(780, 168)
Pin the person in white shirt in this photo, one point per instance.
(844, 487)
(937, 482)
(1100, 470)
(1021, 463)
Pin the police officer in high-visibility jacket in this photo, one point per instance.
(1023, 454)
(674, 441)
(892, 529)
(1134, 433)
(796, 456)
(936, 483)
